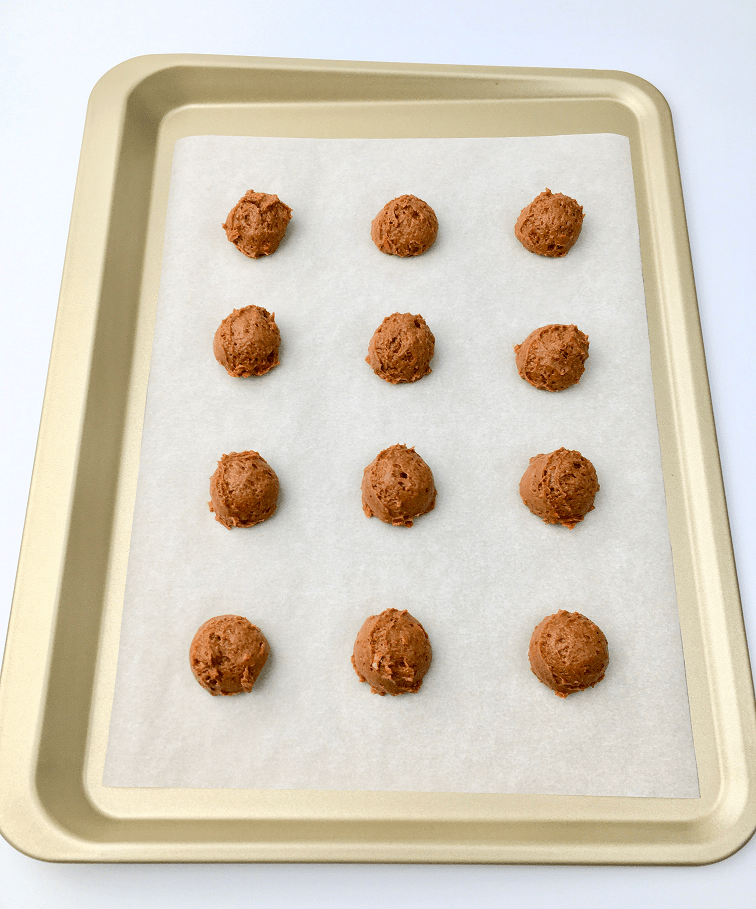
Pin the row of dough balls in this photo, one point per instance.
(392, 653)
(398, 487)
(552, 357)
(406, 226)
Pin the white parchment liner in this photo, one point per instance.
(480, 571)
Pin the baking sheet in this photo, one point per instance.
(479, 571)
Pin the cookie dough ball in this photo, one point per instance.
(405, 226)
(568, 653)
(246, 343)
(398, 486)
(243, 490)
(227, 654)
(550, 225)
(257, 224)
(560, 487)
(392, 653)
(552, 357)
(401, 348)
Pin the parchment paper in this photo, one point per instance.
(480, 571)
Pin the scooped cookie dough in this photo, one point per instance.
(398, 486)
(392, 653)
(243, 490)
(405, 226)
(246, 343)
(401, 348)
(257, 224)
(560, 487)
(550, 225)
(227, 654)
(568, 653)
(552, 357)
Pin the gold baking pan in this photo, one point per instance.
(59, 667)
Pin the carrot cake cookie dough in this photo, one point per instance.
(227, 654)
(246, 343)
(552, 357)
(392, 653)
(560, 487)
(401, 348)
(550, 225)
(568, 653)
(397, 486)
(257, 224)
(243, 490)
(405, 226)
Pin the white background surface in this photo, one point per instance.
(700, 56)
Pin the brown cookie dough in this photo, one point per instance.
(559, 487)
(392, 653)
(398, 486)
(246, 343)
(243, 490)
(552, 357)
(405, 226)
(401, 348)
(257, 224)
(568, 653)
(550, 225)
(227, 654)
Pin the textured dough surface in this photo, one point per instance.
(401, 348)
(398, 486)
(560, 487)
(257, 224)
(392, 653)
(243, 490)
(568, 653)
(227, 654)
(247, 341)
(552, 357)
(405, 226)
(550, 224)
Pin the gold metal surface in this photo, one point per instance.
(60, 660)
